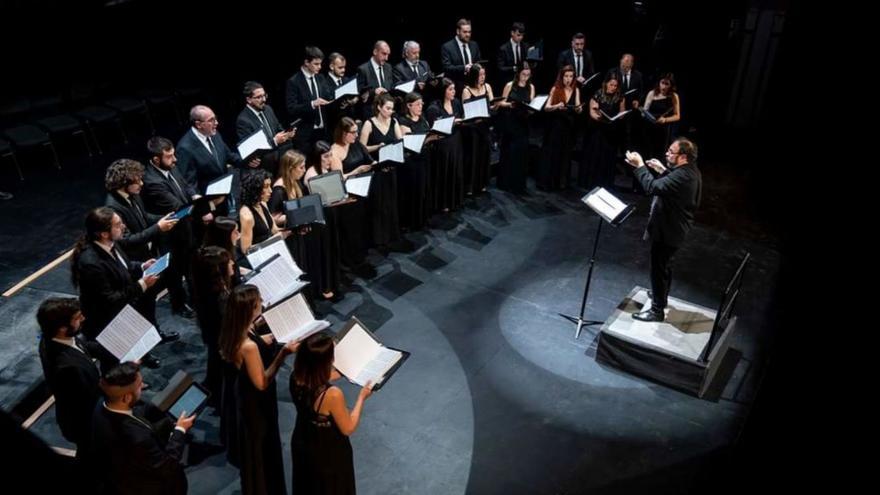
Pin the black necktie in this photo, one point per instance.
(177, 188)
(577, 66)
(339, 82)
(381, 77)
(416, 69)
(465, 54)
(138, 213)
(211, 150)
(266, 128)
(515, 54)
(315, 95)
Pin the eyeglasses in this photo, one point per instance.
(261, 97)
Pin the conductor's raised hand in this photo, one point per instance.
(634, 159)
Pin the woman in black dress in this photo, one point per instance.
(212, 270)
(257, 223)
(514, 165)
(320, 448)
(322, 245)
(563, 104)
(291, 169)
(223, 232)
(663, 104)
(351, 158)
(598, 167)
(476, 136)
(413, 176)
(255, 361)
(378, 131)
(447, 163)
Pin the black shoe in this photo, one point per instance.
(649, 315)
(150, 362)
(185, 312)
(168, 336)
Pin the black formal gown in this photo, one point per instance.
(412, 181)
(447, 160)
(660, 135)
(514, 165)
(262, 228)
(600, 155)
(259, 440)
(382, 202)
(477, 142)
(555, 169)
(321, 454)
(353, 232)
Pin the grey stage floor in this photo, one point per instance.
(498, 397)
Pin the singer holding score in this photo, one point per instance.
(676, 189)
(320, 448)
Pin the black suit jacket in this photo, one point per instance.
(141, 238)
(133, 459)
(299, 98)
(567, 58)
(676, 198)
(73, 378)
(403, 72)
(344, 107)
(504, 62)
(105, 287)
(162, 196)
(368, 80)
(196, 164)
(451, 59)
(248, 122)
(635, 82)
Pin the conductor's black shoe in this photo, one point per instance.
(168, 336)
(150, 362)
(649, 315)
(185, 312)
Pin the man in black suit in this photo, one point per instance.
(458, 54)
(202, 155)
(305, 100)
(579, 58)
(69, 368)
(512, 54)
(123, 182)
(145, 232)
(375, 77)
(676, 190)
(134, 455)
(332, 79)
(412, 67)
(257, 115)
(106, 279)
(632, 88)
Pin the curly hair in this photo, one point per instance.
(121, 173)
(252, 186)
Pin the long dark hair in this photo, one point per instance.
(98, 221)
(219, 233)
(666, 76)
(241, 310)
(211, 272)
(314, 361)
(473, 76)
(314, 161)
(252, 187)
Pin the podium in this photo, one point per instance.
(615, 212)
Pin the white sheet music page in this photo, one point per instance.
(270, 247)
(361, 359)
(443, 125)
(604, 203)
(129, 335)
(348, 89)
(220, 187)
(406, 87)
(276, 281)
(359, 185)
(391, 153)
(255, 142)
(475, 109)
(414, 142)
(539, 101)
(293, 320)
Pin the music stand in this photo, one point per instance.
(615, 212)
